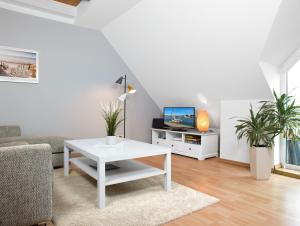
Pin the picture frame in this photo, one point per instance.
(19, 65)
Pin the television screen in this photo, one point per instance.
(179, 117)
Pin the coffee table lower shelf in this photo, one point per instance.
(129, 170)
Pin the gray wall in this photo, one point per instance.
(77, 69)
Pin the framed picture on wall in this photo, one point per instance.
(18, 65)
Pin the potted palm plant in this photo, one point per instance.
(256, 129)
(111, 114)
(274, 118)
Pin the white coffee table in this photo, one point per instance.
(96, 153)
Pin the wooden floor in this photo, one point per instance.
(243, 200)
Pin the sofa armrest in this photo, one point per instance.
(10, 131)
(25, 184)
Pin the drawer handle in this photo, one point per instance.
(190, 149)
(172, 145)
(157, 142)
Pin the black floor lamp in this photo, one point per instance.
(128, 89)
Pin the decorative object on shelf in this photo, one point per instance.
(274, 118)
(202, 121)
(111, 114)
(128, 89)
(192, 139)
(108, 167)
(18, 65)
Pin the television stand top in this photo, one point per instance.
(211, 131)
(179, 129)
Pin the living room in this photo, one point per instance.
(148, 112)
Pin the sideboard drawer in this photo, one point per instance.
(160, 142)
(191, 148)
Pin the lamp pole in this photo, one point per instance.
(128, 89)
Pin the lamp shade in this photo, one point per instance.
(119, 80)
(123, 97)
(131, 89)
(202, 121)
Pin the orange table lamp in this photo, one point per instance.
(202, 121)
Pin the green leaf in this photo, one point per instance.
(111, 114)
(278, 117)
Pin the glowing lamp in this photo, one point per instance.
(202, 121)
(131, 89)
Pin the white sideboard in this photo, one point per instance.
(206, 145)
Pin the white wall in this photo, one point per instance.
(272, 75)
(77, 70)
(230, 147)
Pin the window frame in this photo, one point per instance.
(286, 66)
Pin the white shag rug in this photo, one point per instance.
(142, 202)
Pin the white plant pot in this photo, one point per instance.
(111, 140)
(260, 162)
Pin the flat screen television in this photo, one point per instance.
(181, 118)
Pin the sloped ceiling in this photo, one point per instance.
(91, 14)
(282, 43)
(284, 38)
(98, 13)
(196, 52)
(49, 9)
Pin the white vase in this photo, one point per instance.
(111, 140)
(260, 162)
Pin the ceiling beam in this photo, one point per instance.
(69, 2)
(42, 8)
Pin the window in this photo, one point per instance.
(292, 155)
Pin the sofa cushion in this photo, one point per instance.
(11, 144)
(56, 143)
